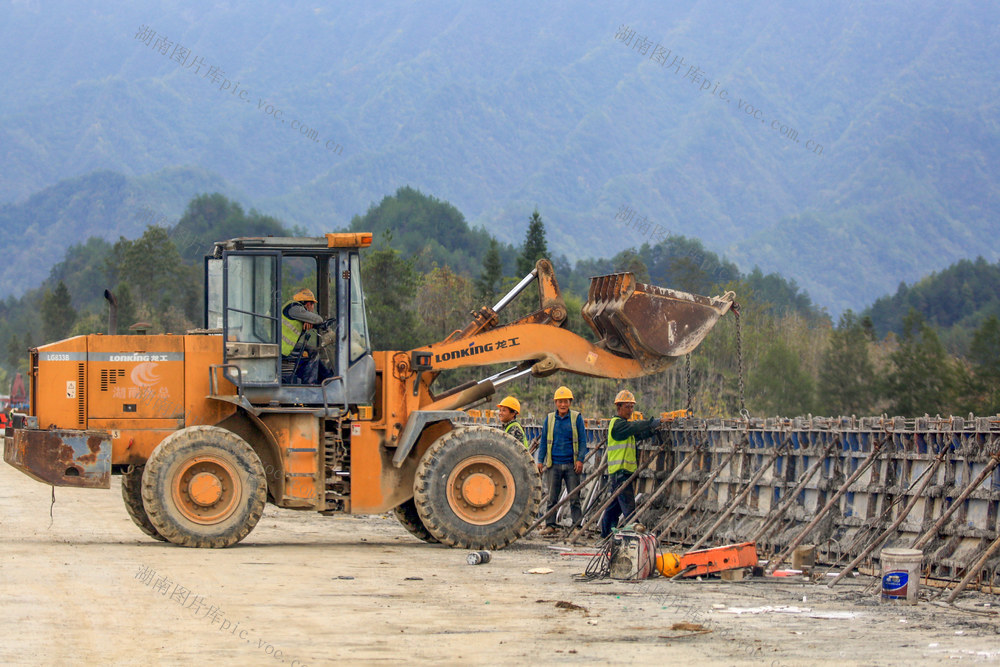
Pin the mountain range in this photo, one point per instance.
(849, 146)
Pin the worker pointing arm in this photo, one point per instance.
(622, 457)
(638, 429)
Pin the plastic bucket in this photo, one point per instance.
(804, 557)
(901, 575)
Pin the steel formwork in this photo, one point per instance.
(906, 470)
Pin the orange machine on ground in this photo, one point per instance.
(208, 426)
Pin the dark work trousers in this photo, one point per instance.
(559, 473)
(624, 504)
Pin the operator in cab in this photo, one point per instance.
(298, 316)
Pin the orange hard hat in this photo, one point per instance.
(510, 402)
(563, 392)
(668, 564)
(304, 294)
(624, 396)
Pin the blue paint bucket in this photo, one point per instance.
(901, 575)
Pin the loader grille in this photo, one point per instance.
(81, 396)
(109, 376)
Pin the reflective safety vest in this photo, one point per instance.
(290, 330)
(621, 453)
(512, 424)
(550, 429)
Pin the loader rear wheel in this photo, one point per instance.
(407, 515)
(204, 487)
(132, 495)
(477, 488)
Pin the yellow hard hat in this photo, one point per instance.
(563, 392)
(304, 294)
(624, 396)
(510, 402)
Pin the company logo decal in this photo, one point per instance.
(473, 349)
(145, 374)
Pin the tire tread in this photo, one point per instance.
(132, 495)
(407, 515)
(430, 465)
(160, 515)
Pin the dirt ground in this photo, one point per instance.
(85, 586)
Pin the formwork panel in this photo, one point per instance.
(908, 449)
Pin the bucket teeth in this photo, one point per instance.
(648, 323)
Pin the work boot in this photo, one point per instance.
(549, 531)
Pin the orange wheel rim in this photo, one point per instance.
(206, 489)
(480, 490)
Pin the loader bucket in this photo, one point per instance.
(646, 322)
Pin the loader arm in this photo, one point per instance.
(549, 349)
(551, 307)
(642, 328)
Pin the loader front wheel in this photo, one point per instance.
(204, 486)
(477, 488)
(407, 515)
(132, 495)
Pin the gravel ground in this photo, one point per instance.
(86, 586)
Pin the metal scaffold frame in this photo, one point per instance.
(850, 486)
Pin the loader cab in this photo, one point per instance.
(250, 281)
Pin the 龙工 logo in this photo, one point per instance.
(145, 374)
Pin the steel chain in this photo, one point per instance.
(739, 356)
(687, 371)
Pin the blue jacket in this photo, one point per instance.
(562, 441)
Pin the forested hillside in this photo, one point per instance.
(793, 360)
(103, 205)
(956, 300)
(576, 109)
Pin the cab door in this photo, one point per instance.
(355, 343)
(251, 316)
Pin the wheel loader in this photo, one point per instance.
(207, 427)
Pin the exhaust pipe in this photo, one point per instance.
(112, 312)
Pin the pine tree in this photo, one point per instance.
(16, 353)
(629, 260)
(846, 374)
(984, 355)
(391, 282)
(535, 246)
(58, 315)
(779, 385)
(126, 308)
(488, 283)
(923, 378)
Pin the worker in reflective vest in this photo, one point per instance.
(297, 315)
(622, 459)
(508, 409)
(300, 315)
(561, 454)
